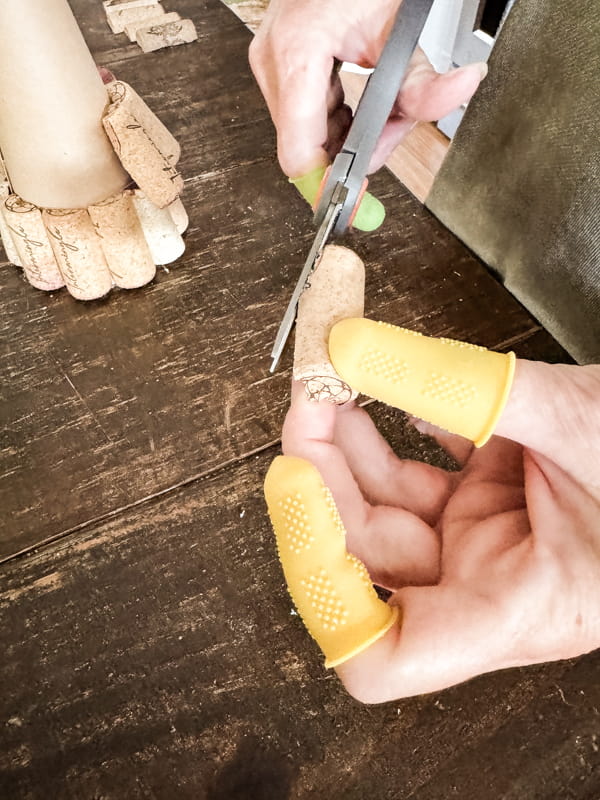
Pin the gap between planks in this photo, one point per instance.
(82, 526)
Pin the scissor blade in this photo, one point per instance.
(351, 165)
(315, 252)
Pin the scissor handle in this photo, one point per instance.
(351, 164)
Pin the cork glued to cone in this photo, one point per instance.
(160, 230)
(122, 240)
(144, 145)
(72, 224)
(78, 253)
(132, 237)
(179, 215)
(32, 243)
(6, 236)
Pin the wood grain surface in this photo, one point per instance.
(110, 402)
(149, 646)
(158, 655)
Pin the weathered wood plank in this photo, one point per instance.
(157, 655)
(251, 12)
(109, 402)
(109, 47)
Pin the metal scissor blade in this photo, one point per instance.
(319, 243)
(351, 165)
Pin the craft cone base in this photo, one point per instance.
(52, 100)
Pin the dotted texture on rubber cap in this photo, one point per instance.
(454, 385)
(330, 587)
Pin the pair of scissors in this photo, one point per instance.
(346, 179)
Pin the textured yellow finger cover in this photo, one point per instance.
(330, 587)
(457, 386)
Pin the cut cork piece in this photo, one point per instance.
(336, 291)
(122, 240)
(132, 28)
(169, 34)
(78, 252)
(31, 241)
(160, 231)
(146, 148)
(5, 233)
(120, 16)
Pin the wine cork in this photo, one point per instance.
(179, 215)
(132, 28)
(32, 243)
(8, 243)
(120, 16)
(78, 252)
(146, 148)
(336, 290)
(164, 241)
(52, 100)
(122, 240)
(155, 37)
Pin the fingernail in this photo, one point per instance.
(106, 75)
(483, 70)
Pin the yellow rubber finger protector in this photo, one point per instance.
(457, 386)
(330, 587)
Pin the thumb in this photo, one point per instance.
(447, 636)
(427, 95)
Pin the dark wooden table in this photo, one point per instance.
(149, 647)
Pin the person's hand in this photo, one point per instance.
(292, 57)
(494, 566)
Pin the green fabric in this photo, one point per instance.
(521, 182)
